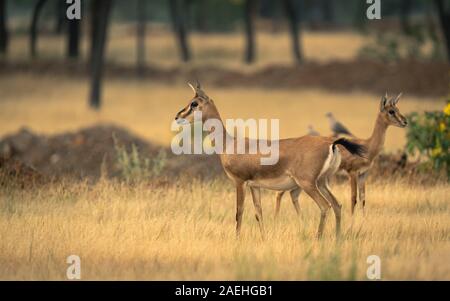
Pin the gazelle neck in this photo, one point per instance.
(376, 140)
(214, 114)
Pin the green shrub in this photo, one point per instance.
(158, 163)
(134, 167)
(429, 137)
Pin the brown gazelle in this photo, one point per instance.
(356, 166)
(304, 163)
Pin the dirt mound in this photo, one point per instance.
(91, 152)
(14, 172)
(389, 166)
(413, 77)
(77, 154)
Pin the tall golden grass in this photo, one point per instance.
(186, 231)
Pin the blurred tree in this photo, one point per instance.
(444, 18)
(200, 16)
(405, 12)
(60, 13)
(141, 30)
(39, 4)
(360, 20)
(249, 15)
(178, 12)
(292, 15)
(73, 39)
(328, 11)
(100, 15)
(3, 28)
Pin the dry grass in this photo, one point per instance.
(179, 232)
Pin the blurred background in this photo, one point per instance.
(68, 86)
(86, 108)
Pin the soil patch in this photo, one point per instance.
(91, 152)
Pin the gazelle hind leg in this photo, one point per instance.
(256, 195)
(278, 203)
(324, 188)
(313, 191)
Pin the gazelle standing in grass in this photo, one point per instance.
(356, 166)
(304, 163)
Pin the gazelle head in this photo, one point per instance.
(390, 113)
(199, 103)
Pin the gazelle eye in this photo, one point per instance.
(391, 112)
(194, 104)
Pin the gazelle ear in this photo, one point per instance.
(395, 101)
(383, 102)
(197, 85)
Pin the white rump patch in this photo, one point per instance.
(332, 162)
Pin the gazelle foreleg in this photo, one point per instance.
(295, 194)
(240, 197)
(362, 188)
(256, 195)
(278, 203)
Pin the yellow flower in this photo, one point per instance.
(436, 152)
(447, 109)
(441, 126)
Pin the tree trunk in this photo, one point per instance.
(94, 15)
(444, 18)
(249, 13)
(34, 23)
(179, 28)
(292, 15)
(73, 39)
(3, 28)
(141, 33)
(100, 18)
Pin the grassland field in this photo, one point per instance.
(185, 230)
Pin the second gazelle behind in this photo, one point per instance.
(358, 167)
(304, 163)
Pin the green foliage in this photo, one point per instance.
(384, 48)
(389, 46)
(134, 167)
(158, 163)
(429, 136)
